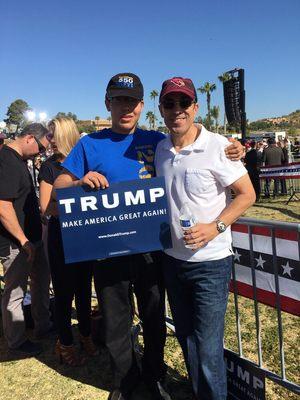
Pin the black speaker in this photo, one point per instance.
(232, 100)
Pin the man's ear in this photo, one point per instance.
(142, 104)
(107, 104)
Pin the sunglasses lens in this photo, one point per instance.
(183, 103)
(168, 105)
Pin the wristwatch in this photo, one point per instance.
(221, 226)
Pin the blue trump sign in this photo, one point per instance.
(127, 218)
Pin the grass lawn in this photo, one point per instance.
(43, 378)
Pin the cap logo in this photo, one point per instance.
(125, 81)
(178, 82)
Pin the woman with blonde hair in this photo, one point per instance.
(68, 280)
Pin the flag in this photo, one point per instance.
(287, 171)
(288, 265)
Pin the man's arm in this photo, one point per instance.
(200, 234)
(10, 222)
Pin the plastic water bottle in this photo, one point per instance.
(186, 220)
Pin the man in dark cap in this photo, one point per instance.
(123, 153)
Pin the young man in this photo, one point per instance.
(199, 177)
(21, 250)
(122, 153)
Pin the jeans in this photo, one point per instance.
(114, 279)
(198, 294)
(17, 270)
(275, 189)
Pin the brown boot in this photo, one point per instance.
(68, 355)
(88, 345)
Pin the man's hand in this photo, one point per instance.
(235, 151)
(29, 248)
(94, 180)
(200, 234)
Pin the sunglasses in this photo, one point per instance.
(42, 148)
(49, 136)
(183, 103)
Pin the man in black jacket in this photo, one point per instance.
(273, 156)
(21, 249)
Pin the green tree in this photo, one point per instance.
(207, 89)
(215, 113)
(163, 128)
(64, 115)
(153, 96)
(292, 131)
(16, 113)
(85, 128)
(151, 119)
(224, 77)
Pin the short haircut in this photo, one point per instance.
(35, 129)
(66, 134)
(271, 141)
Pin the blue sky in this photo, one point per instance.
(59, 55)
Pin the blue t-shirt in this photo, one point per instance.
(117, 156)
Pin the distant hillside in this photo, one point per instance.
(286, 122)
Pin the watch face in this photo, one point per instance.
(221, 227)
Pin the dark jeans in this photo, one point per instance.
(198, 294)
(283, 186)
(114, 279)
(69, 280)
(267, 187)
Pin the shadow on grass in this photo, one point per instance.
(97, 371)
(283, 209)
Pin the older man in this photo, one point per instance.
(21, 250)
(197, 269)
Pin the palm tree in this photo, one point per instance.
(223, 78)
(207, 88)
(215, 113)
(151, 118)
(153, 96)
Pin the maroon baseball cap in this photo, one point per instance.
(178, 85)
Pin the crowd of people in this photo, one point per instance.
(201, 169)
(265, 153)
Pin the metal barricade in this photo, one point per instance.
(279, 379)
(292, 188)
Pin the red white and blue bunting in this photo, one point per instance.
(288, 171)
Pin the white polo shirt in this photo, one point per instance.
(198, 175)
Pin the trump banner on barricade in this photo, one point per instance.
(126, 218)
(245, 380)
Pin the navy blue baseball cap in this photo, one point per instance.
(125, 84)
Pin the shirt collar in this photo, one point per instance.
(199, 144)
